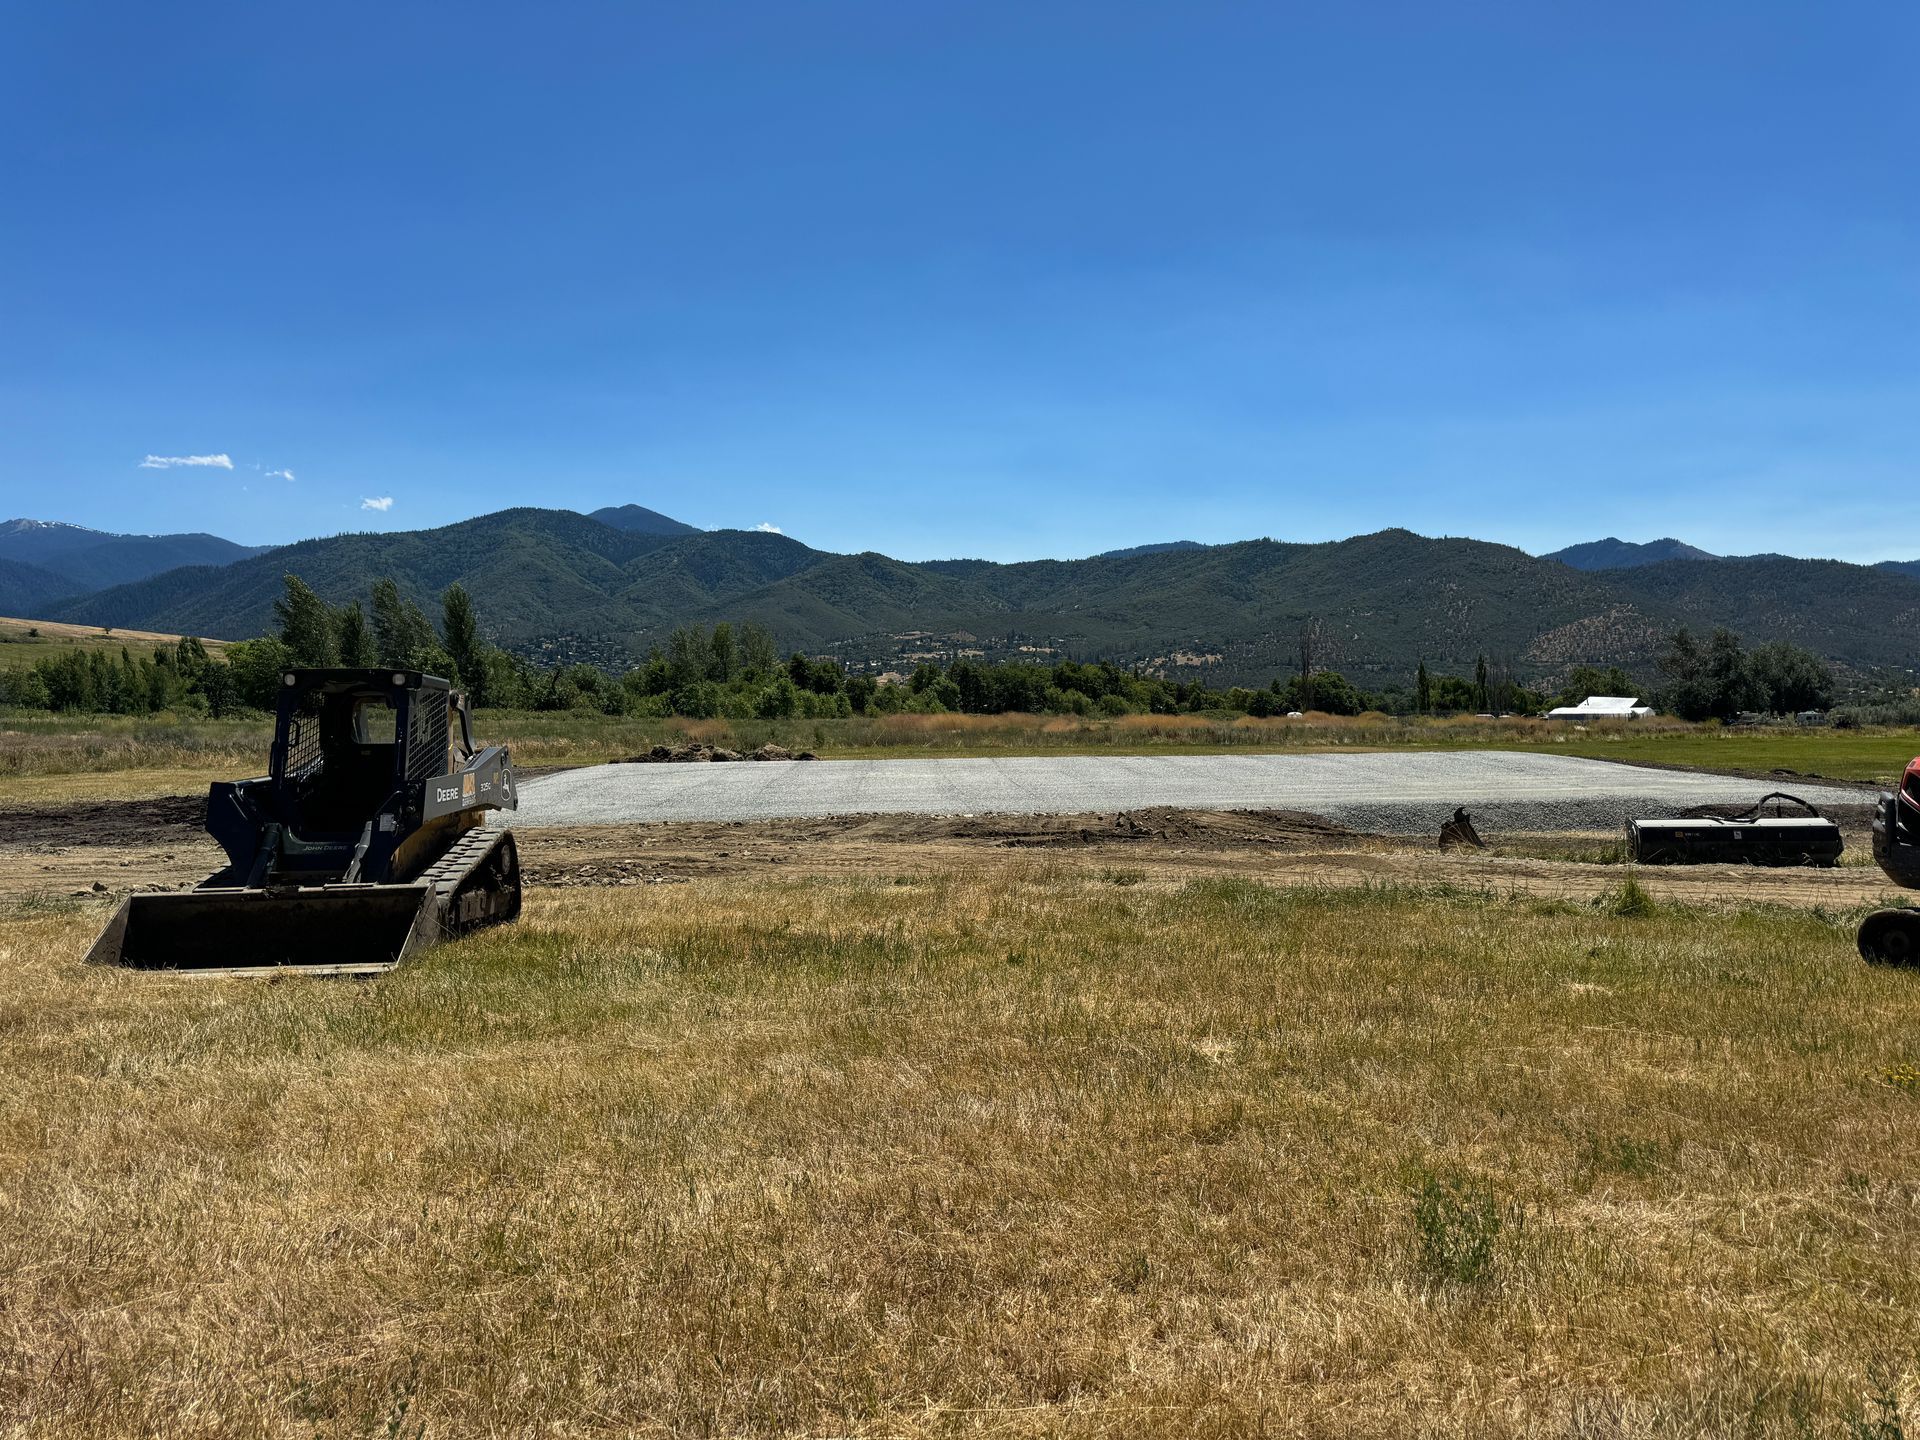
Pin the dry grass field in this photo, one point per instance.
(1011, 1149)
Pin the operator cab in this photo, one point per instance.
(351, 744)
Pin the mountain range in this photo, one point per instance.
(1612, 554)
(45, 560)
(558, 585)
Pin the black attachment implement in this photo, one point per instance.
(1697, 837)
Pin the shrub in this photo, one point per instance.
(1899, 712)
(1630, 901)
(1458, 1227)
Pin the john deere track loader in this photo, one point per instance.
(367, 839)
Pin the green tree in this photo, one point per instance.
(216, 684)
(1687, 691)
(689, 655)
(354, 640)
(1422, 689)
(255, 667)
(825, 677)
(1792, 677)
(307, 626)
(1585, 680)
(725, 664)
(1711, 681)
(462, 631)
(509, 682)
(27, 689)
(402, 634)
(1481, 695)
(1730, 675)
(778, 700)
(1333, 694)
(191, 659)
(757, 655)
(698, 701)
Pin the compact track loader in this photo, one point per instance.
(367, 840)
(1892, 937)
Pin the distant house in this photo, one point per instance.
(1603, 707)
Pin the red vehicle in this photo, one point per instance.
(1892, 937)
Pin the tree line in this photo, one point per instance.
(736, 672)
(1721, 679)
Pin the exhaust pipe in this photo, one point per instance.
(241, 932)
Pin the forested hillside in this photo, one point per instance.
(27, 590)
(555, 584)
(95, 559)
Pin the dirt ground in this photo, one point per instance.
(92, 847)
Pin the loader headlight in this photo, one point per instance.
(287, 679)
(399, 679)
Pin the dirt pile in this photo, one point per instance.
(1159, 824)
(696, 753)
(771, 751)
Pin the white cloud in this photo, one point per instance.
(280, 474)
(381, 503)
(169, 462)
(767, 528)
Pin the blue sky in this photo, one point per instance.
(982, 279)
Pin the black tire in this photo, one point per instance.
(1891, 937)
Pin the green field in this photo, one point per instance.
(1879, 755)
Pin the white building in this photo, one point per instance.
(1603, 707)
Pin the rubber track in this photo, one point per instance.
(451, 870)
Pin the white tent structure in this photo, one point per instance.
(1603, 707)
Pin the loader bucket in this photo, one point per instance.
(340, 930)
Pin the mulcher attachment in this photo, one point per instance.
(367, 841)
(1748, 839)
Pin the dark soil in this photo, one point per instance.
(653, 854)
(170, 819)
